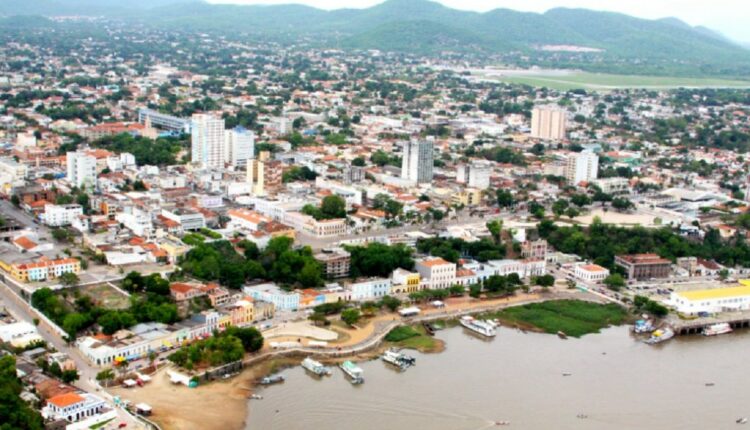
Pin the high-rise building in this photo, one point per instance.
(240, 146)
(264, 174)
(81, 169)
(582, 166)
(208, 142)
(418, 160)
(548, 123)
(353, 174)
(475, 174)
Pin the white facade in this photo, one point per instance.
(12, 169)
(437, 273)
(188, 220)
(60, 215)
(137, 220)
(548, 123)
(417, 161)
(208, 141)
(11, 332)
(370, 289)
(475, 174)
(281, 299)
(582, 167)
(81, 169)
(591, 273)
(240, 146)
(727, 299)
(84, 405)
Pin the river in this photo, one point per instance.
(616, 381)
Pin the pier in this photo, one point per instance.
(696, 326)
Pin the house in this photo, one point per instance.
(369, 289)
(270, 292)
(644, 266)
(436, 273)
(44, 269)
(181, 292)
(404, 281)
(73, 407)
(335, 262)
(591, 273)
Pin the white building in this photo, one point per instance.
(713, 300)
(417, 162)
(475, 174)
(136, 220)
(436, 273)
(590, 273)
(208, 140)
(615, 186)
(73, 407)
(582, 167)
(15, 331)
(188, 219)
(245, 219)
(60, 215)
(283, 300)
(370, 289)
(240, 146)
(12, 169)
(81, 169)
(548, 123)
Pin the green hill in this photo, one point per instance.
(627, 44)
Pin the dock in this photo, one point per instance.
(696, 326)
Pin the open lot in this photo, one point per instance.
(106, 296)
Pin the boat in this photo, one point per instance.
(562, 335)
(315, 367)
(567, 374)
(659, 336)
(398, 359)
(273, 379)
(353, 371)
(741, 420)
(256, 397)
(717, 329)
(478, 326)
(502, 423)
(643, 326)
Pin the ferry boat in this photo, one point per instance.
(717, 329)
(484, 328)
(353, 371)
(643, 326)
(659, 336)
(398, 359)
(315, 367)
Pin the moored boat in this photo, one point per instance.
(315, 367)
(273, 379)
(717, 329)
(353, 371)
(643, 326)
(659, 336)
(484, 328)
(398, 359)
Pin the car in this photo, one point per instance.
(122, 425)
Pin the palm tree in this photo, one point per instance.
(105, 375)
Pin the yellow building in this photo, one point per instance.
(467, 197)
(174, 249)
(405, 282)
(44, 269)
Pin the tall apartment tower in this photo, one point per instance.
(582, 166)
(548, 123)
(208, 140)
(81, 168)
(418, 160)
(240, 146)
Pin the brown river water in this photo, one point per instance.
(616, 382)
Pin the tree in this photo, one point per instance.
(580, 200)
(251, 338)
(15, 413)
(318, 319)
(504, 198)
(621, 203)
(359, 161)
(333, 206)
(351, 316)
(545, 281)
(69, 376)
(105, 375)
(614, 281)
(69, 278)
(392, 303)
(495, 227)
(61, 235)
(559, 207)
(536, 209)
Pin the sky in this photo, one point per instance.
(727, 16)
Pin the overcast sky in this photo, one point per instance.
(728, 16)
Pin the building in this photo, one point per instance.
(335, 262)
(263, 174)
(99, 131)
(353, 174)
(475, 174)
(81, 169)
(369, 289)
(644, 266)
(60, 215)
(208, 140)
(283, 300)
(404, 281)
(590, 273)
(11, 171)
(615, 186)
(467, 197)
(188, 219)
(581, 167)
(164, 121)
(536, 249)
(19, 334)
(73, 407)
(436, 273)
(240, 144)
(182, 292)
(548, 123)
(728, 299)
(417, 162)
(246, 219)
(44, 269)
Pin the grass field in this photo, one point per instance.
(573, 317)
(106, 296)
(568, 80)
(413, 338)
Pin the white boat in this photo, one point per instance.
(478, 326)
(400, 360)
(315, 367)
(643, 326)
(659, 336)
(717, 329)
(353, 371)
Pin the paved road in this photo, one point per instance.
(22, 311)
